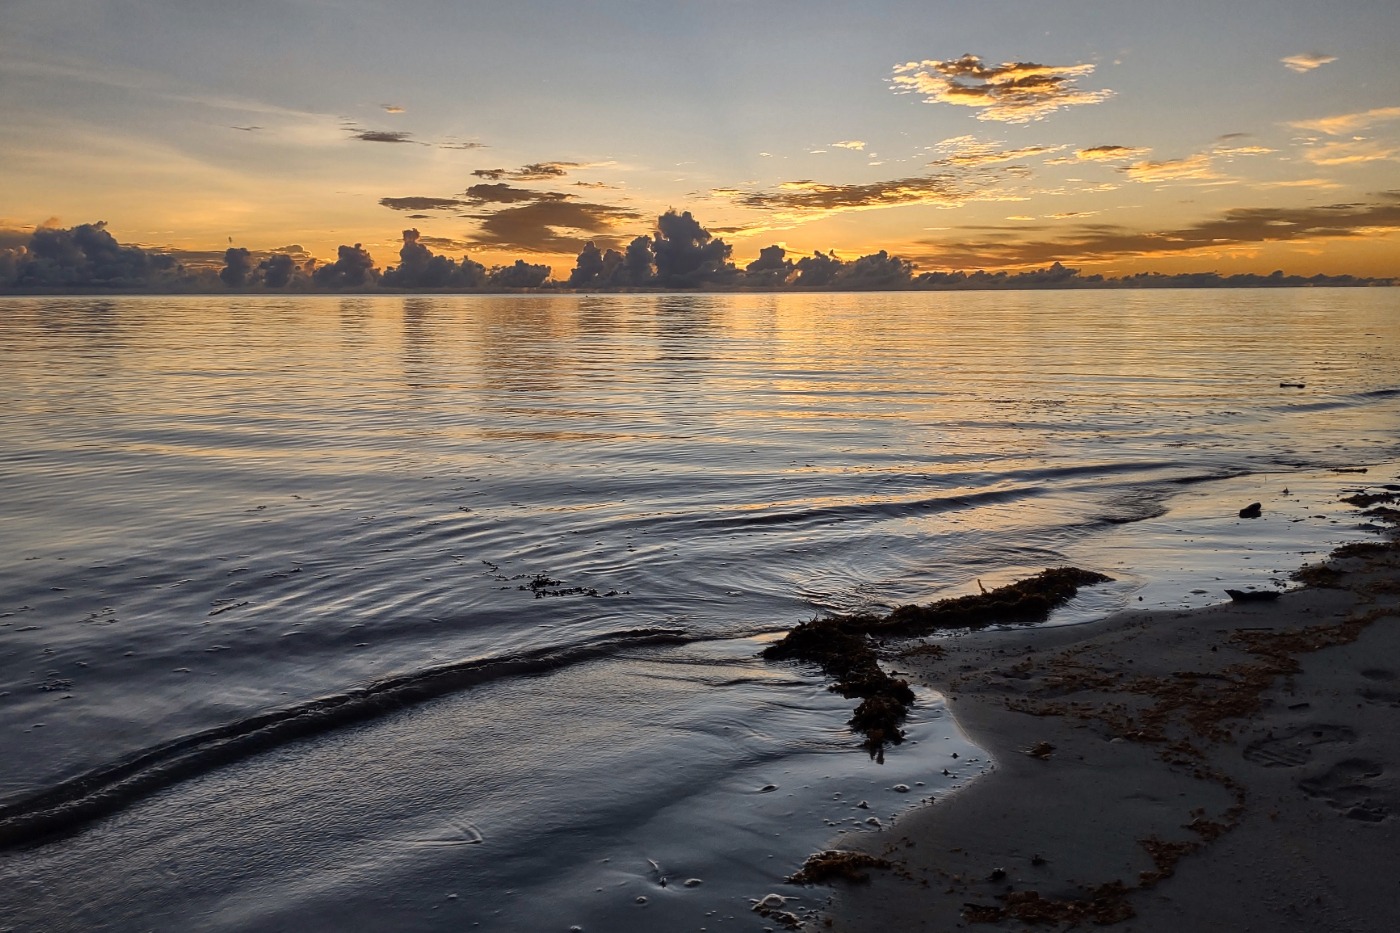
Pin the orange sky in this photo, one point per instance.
(1114, 138)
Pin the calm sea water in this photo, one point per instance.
(595, 508)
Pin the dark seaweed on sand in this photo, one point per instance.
(844, 647)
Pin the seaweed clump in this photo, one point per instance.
(833, 864)
(1024, 602)
(843, 645)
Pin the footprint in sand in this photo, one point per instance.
(1349, 788)
(1390, 696)
(1294, 747)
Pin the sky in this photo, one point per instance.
(1116, 136)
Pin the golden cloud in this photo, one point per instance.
(1192, 168)
(1348, 153)
(1012, 92)
(857, 144)
(1307, 61)
(969, 152)
(1239, 228)
(1346, 123)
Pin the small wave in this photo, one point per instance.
(67, 806)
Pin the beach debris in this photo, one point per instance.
(641, 898)
(837, 864)
(998, 874)
(863, 805)
(1253, 510)
(1292, 385)
(1104, 905)
(1041, 750)
(1253, 596)
(842, 645)
(692, 883)
(768, 788)
(770, 902)
(900, 788)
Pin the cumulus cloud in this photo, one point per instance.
(1192, 168)
(238, 267)
(1240, 227)
(856, 144)
(1307, 61)
(1347, 123)
(88, 255)
(420, 203)
(353, 268)
(686, 254)
(1012, 92)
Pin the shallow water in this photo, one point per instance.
(219, 507)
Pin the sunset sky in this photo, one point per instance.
(1113, 135)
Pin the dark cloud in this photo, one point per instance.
(772, 267)
(1242, 226)
(551, 226)
(535, 171)
(87, 255)
(238, 266)
(280, 270)
(384, 136)
(686, 254)
(520, 274)
(419, 203)
(417, 265)
(506, 194)
(353, 268)
(808, 197)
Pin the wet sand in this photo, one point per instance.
(1228, 768)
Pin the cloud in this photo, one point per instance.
(550, 226)
(969, 152)
(1307, 61)
(383, 136)
(1109, 153)
(506, 194)
(392, 108)
(419, 203)
(535, 171)
(856, 144)
(1192, 168)
(1349, 153)
(1239, 227)
(1347, 123)
(1013, 92)
(796, 198)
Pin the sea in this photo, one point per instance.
(439, 612)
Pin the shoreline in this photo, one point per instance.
(1162, 770)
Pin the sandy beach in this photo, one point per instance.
(1228, 768)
